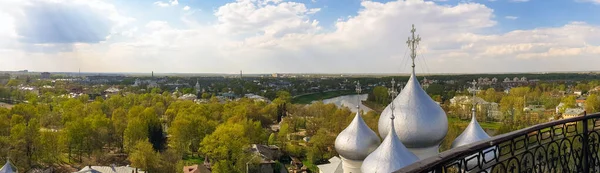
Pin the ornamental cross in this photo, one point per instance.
(358, 90)
(392, 92)
(413, 43)
(474, 90)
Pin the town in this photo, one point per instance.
(98, 119)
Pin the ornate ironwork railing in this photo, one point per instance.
(568, 145)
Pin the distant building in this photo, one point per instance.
(534, 108)
(257, 97)
(578, 93)
(268, 155)
(188, 97)
(276, 75)
(572, 112)
(109, 169)
(195, 169)
(45, 75)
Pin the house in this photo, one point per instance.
(579, 93)
(268, 155)
(109, 169)
(45, 75)
(573, 112)
(580, 102)
(196, 169)
(534, 108)
(559, 107)
(334, 166)
(188, 97)
(257, 98)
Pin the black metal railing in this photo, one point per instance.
(568, 145)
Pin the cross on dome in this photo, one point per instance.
(413, 43)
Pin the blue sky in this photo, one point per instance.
(314, 36)
(530, 14)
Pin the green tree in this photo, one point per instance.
(143, 156)
(119, 124)
(135, 132)
(25, 140)
(569, 101)
(380, 94)
(272, 139)
(206, 95)
(592, 103)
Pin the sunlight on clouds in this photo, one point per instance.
(264, 36)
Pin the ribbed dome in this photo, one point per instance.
(357, 141)
(422, 122)
(390, 156)
(473, 133)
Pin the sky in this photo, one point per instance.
(299, 36)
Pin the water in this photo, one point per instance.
(349, 101)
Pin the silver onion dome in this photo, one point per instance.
(390, 156)
(357, 141)
(8, 168)
(423, 122)
(473, 133)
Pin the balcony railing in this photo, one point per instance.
(568, 145)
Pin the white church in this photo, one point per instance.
(412, 127)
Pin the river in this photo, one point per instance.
(349, 101)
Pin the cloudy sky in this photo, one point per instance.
(313, 36)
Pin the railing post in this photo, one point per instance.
(585, 148)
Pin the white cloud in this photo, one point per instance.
(186, 8)
(592, 1)
(281, 36)
(166, 4)
(511, 17)
(273, 18)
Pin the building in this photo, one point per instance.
(109, 169)
(573, 112)
(196, 169)
(45, 75)
(268, 155)
(257, 98)
(188, 97)
(334, 166)
(417, 136)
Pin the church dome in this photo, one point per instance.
(422, 122)
(473, 133)
(8, 168)
(390, 156)
(357, 141)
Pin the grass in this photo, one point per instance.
(193, 160)
(309, 98)
(484, 125)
